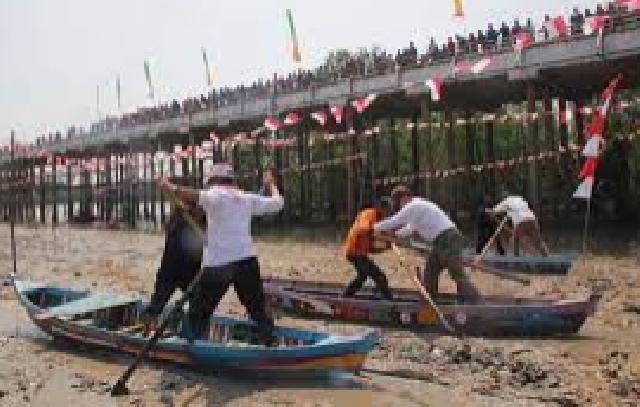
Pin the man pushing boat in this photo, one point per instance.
(432, 224)
(181, 260)
(525, 225)
(229, 256)
(359, 244)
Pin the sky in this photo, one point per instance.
(56, 54)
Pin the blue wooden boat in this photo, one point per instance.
(493, 316)
(554, 264)
(113, 321)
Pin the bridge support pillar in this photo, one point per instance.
(43, 194)
(533, 147)
(564, 144)
(416, 185)
(54, 176)
(352, 169)
(450, 180)
(579, 116)
(425, 117)
(491, 157)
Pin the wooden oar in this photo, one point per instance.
(424, 293)
(493, 238)
(120, 388)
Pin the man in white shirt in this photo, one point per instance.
(525, 224)
(228, 255)
(433, 225)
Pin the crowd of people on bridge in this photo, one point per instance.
(365, 63)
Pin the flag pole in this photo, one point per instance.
(13, 206)
(585, 232)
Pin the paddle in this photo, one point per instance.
(120, 388)
(493, 238)
(425, 294)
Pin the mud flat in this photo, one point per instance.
(599, 366)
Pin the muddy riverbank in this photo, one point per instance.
(599, 366)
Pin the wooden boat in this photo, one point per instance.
(554, 264)
(494, 316)
(113, 321)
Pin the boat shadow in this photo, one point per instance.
(184, 386)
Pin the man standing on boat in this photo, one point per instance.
(433, 225)
(181, 260)
(487, 225)
(358, 245)
(525, 225)
(229, 256)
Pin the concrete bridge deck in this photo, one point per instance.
(571, 69)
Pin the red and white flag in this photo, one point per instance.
(461, 66)
(632, 5)
(338, 112)
(321, 117)
(589, 167)
(607, 93)
(585, 189)
(593, 146)
(292, 118)
(597, 23)
(272, 123)
(481, 65)
(558, 27)
(363, 103)
(523, 41)
(435, 87)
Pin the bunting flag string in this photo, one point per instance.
(476, 168)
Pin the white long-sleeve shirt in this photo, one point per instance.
(424, 217)
(229, 212)
(516, 208)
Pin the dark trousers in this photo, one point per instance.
(484, 235)
(447, 253)
(245, 277)
(366, 268)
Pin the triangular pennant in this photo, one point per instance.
(292, 118)
(320, 116)
(337, 111)
(272, 124)
(435, 87)
(592, 147)
(585, 189)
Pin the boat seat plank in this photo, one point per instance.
(91, 303)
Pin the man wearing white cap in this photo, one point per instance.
(433, 225)
(229, 256)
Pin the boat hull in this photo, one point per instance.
(307, 354)
(495, 316)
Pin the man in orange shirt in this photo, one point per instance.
(358, 245)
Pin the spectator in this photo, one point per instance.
(472, 44)
(462, 44)
(505, 34)
(492, 37)
(544, 30)
(576, 21)
(451, 47)
(482, 41)
(599, 10)
(516, 29)
(529, 27)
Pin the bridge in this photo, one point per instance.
(447, 150)
(573, 70)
